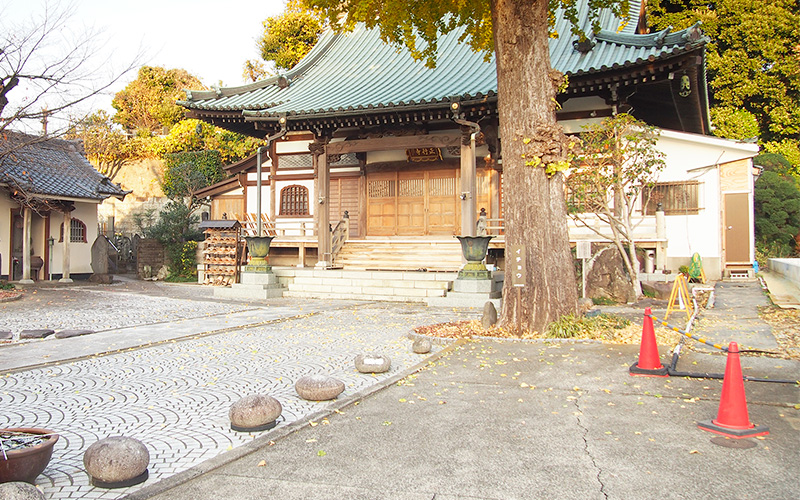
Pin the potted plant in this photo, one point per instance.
(24, 453)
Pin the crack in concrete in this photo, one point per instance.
(584, 434)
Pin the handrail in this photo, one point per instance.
(339, 235)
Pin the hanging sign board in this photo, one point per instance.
(583, 249)
(421, 155)
(519, 271)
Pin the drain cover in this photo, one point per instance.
(740, 444)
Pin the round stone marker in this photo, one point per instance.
(318, 387)
(421, 346)
(36, 333)
(372, 363)
(69, 333)
(257, 412)
(20, 491)
(117, 462)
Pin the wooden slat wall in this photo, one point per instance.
(344, 196)
(231, 205)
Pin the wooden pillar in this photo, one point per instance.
(26, 245)
(468, 183)
(65, 249)
(322, 190)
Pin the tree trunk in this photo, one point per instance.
(534, 207)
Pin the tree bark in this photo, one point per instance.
(534, 206)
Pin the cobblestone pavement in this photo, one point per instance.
(105, 307)
(175, 396)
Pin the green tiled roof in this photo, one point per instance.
(356, 72)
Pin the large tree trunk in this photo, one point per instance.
(534, 207)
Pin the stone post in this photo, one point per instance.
(26, 246)
(65, 249)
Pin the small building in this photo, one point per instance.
(360, 127)
(47, 185)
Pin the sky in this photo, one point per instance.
(209, 39)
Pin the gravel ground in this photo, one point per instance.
(124, 303)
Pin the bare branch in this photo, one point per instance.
(46, 67)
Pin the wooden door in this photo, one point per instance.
(344, 197)
(737, 228)
(411, 203)
(382, 204)
(443, 207)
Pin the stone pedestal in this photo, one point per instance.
(470, 292)
(252, 286)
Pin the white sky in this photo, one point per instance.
(209, 39)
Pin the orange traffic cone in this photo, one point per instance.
(649, 363)
(732, 418)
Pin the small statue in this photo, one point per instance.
(481, 225)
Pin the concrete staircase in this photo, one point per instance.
(442, 254)
(406, 286)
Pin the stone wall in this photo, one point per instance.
(150, 253)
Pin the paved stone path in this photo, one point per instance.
(175, 396)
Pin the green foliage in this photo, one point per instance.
(184, 137)
(777, 209)
(183, 262)
(753, 57)
(602, 301)
(188, 172)
(418, 25)
(290, 36)
(734, 123)
(175, 228)
(107, 147)
(5, 285)
(773, 162)
(147, 104)
(766, 250)
(254, 70)
(790, 150)
(596, 327)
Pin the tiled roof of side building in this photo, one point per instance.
(52, 168)
(355, 71)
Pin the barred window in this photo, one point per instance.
(676, 198)
(77, 232)
(294, 200)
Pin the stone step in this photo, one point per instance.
(365, 285)
(431, 255)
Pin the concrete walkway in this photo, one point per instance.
(504, 420)
(490, 420)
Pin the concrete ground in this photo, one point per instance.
(488, 419)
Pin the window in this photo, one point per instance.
(294, 200)
(675, 197)
(77, 233)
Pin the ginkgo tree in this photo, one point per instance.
(534, 145)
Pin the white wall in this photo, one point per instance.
(696, 157)
(80, 261)
(6, 206)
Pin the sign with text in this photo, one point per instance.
(519, 271)
(420, 155)
(583, 249)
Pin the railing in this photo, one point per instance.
(278, 227)
(495, 227)
(339, 235)
(645, 229)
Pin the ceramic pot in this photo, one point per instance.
(25, 464)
